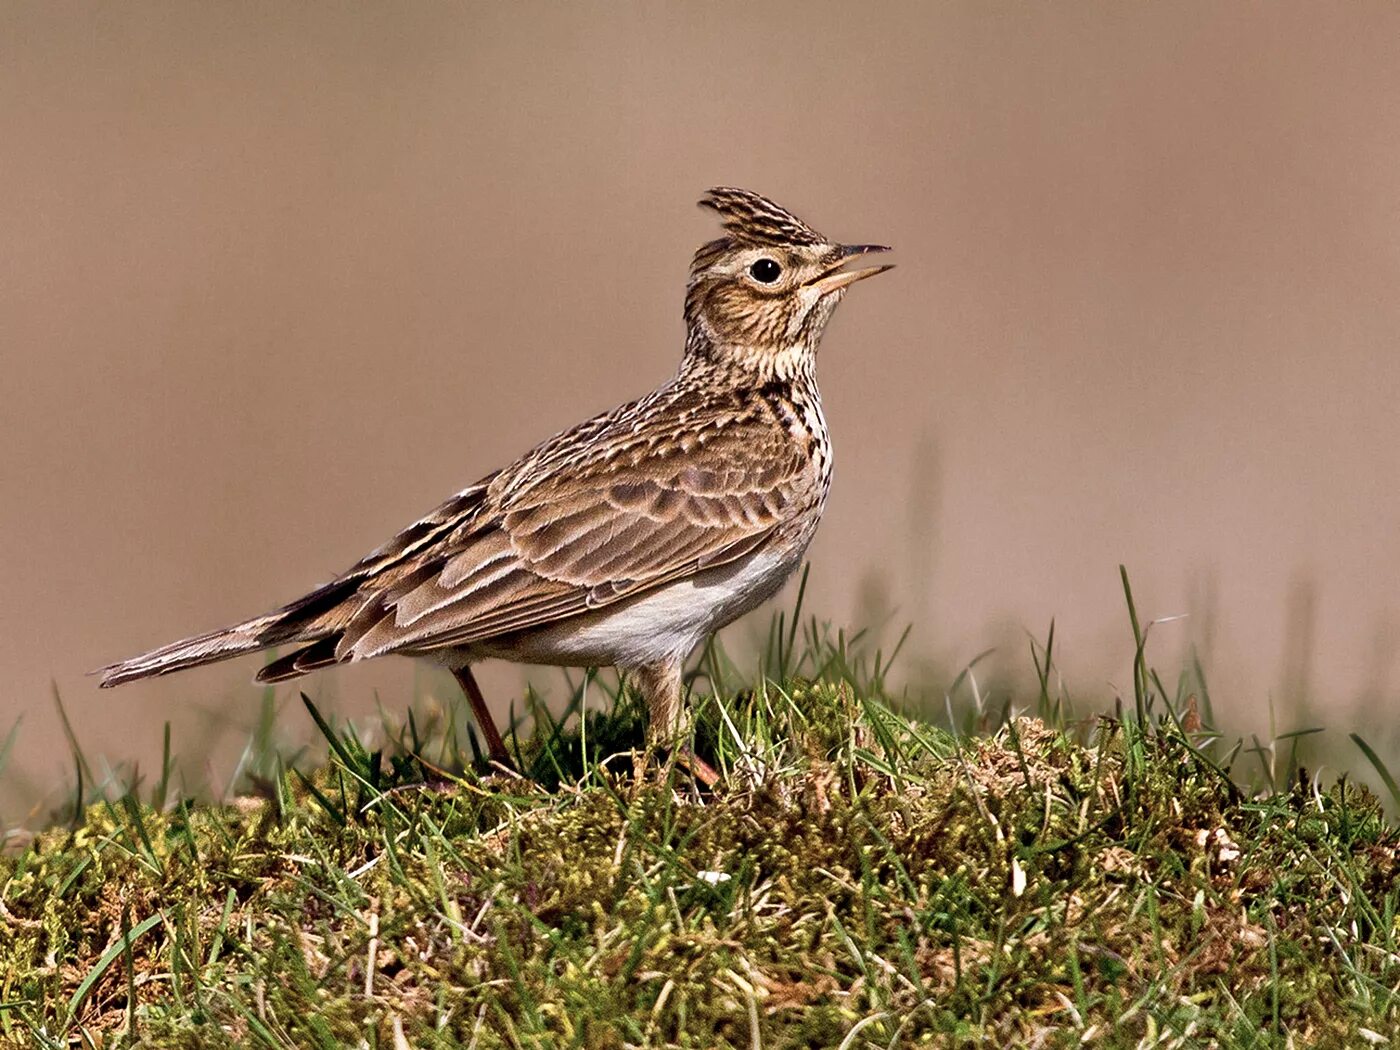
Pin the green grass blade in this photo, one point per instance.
(115, 951)
(1382, 770)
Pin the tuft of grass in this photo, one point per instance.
(861, 879)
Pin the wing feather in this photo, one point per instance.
(640, 504)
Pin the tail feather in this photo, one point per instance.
(308, 619)
(303, 661)
(317, 619)
(207, 648)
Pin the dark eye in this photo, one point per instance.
(766, 270)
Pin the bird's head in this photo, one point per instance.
(760, 296)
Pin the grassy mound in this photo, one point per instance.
(861, 880)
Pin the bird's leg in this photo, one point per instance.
(495, 746)
(660, 685)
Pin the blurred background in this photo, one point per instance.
(278, 278)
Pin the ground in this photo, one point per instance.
(859, 879)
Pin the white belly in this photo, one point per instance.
(665, 624)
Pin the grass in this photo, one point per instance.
(862, 879)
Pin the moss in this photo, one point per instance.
(863, 875)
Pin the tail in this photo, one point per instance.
(308, 619)
(202, 649)
(315, 620)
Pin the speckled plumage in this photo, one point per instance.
(628, 538)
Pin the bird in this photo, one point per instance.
(626, 540)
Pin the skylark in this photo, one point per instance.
(626, 540)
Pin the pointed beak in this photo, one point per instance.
(837, 278)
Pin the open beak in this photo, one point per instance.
(836, 278)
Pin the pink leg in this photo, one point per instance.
(495, 746)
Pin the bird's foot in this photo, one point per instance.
(682, 757)
(701, 770)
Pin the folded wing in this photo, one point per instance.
(632, 513)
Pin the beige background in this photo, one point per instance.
(277, 278)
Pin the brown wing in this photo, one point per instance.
(575, 526)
